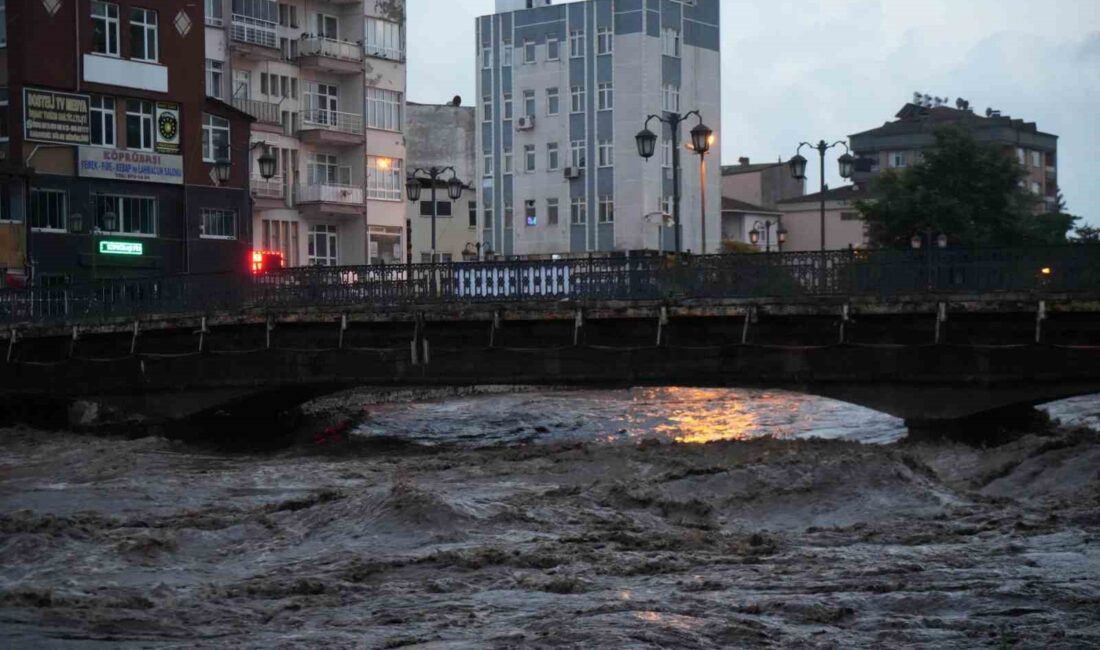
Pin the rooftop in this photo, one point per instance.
(846, 193)
(745, 166)
(914, 118)
(737, 205)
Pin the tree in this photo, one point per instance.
(965, 189)
(1086, 235)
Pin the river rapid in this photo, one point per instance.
(652, 518)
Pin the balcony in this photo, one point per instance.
(255, 37)
(262, 111)
(329, 200)
(331, 128)
(338, 57)
(268, 189)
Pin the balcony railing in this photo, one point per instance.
(215, 21)
(272, 188)
(333, 121)
(330, 49)
(262, 111)
(247, 29)
(344, 194)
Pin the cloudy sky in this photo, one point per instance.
(794, 70)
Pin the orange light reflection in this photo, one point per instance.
(693, 418)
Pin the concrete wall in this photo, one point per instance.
(803, 224)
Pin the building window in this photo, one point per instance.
(143, 34)
(139, 125)
(383, 39)
(670, 42)
(327, 26)
(528, 51)
(553, 49)
(486, 58)
(896, 159)
(530, 213)
(103, 120)
(1036, 188)
(506, 55)
(577, 98)
(215, 138)
(577, 153)
(507, 109)
(1036, 159)
(487, 108)
(282, 236)
(552, 103)
(1021, 156)
(214, 78)
(105, 28)
(666, 153)
(507, 160)
(849, 216)
(578, 212)
(49, 210)
(383, 109)
(607, 210)
(509, 216)
(323, 244)
(135, 215)
(605, 98)
(322, 169)
(529, 157)
(552, 162)
(442, 208)
(384, 178)
(3, 117)
(488, 215)
(3, 23)
(472, 214)
(576, 43)
(604, 40)
(219, 224)
(529, 103)
(213, 12)
(551, 212)
(670, 99)
(487, 167)
(606, 153)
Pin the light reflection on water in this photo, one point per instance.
(693, 415)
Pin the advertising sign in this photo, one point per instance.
(121, 248)
(168, 128)
(61, 118)
(143, 166)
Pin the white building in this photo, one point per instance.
(325, 80)
(561, 92)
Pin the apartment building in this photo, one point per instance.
(114, 163)
(562, 90)
(443, 136)
(899, 144)
(325, 82)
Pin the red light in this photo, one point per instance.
(264, 261)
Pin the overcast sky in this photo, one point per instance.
(795, 70)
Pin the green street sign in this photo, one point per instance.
(120, 248)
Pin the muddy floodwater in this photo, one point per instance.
(652, 518)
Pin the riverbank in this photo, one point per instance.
(769, 543)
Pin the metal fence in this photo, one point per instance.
(884, 273)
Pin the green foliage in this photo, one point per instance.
(1086, 235)
(968, 190)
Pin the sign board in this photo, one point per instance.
(108, 247)
(143, 166)
(168, 128)
(60, 118)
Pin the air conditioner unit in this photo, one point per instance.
(572, 172)
(526, 123)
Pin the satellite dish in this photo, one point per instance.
(456, 101)
(989, 112)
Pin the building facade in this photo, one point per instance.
(844, 227)
(899, 144)
(444, 136)
(110, 145)
(561, 92)
(325, 82)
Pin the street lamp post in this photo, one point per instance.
(412, 188)
(798, 170)
(76, 225)
(939, 242)
(780, 234)
(647, 145)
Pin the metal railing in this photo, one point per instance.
(332, 121)
(261, 110)
(272, 188)
(877, 273)
(330, 48)
(330, 193)
(255, 31)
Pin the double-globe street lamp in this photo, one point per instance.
(780, 234)
(798, 170)
(110, 224)
(700, 141)
(432, 174)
